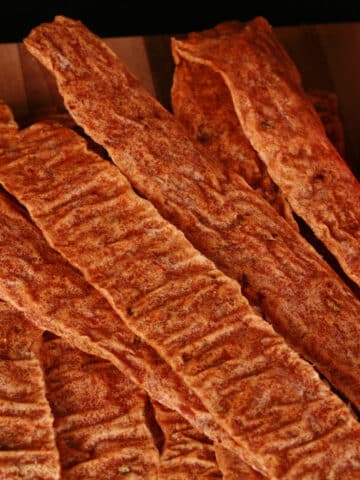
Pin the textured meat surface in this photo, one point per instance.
(186, 454)
(38, 281)
(273, 404)
(27, 443)
(228, 464)
(220, 214)
(99, 415)
(283, 127)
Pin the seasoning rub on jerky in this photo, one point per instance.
(270, 402)
(218, 212)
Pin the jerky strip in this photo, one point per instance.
(225, 219)
(99, 417)
(187, 454)
(55, 297)
(283, 127)
(271, 402)
(27, 441)
(228, 464)
(202, 103)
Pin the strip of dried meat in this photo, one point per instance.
(202, 103)
(27, 441)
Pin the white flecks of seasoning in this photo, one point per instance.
(64, 62)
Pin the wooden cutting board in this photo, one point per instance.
(326, 55)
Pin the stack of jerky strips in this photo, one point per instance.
(189, 325)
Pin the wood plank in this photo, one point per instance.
(12, 89)
(342, 47)
(132, 50)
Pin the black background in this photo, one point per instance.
(111, 18)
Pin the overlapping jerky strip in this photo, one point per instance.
(221, 215)
(27, 441)
(285, 420)
(187, 454)
(228, 464)
(284, 129)
(202, 103)
(38, 281)
(99, 415)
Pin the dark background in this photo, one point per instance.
(111, 18)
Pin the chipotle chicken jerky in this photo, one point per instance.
(186, 454)
(202, 103)
(220, 214)
(57, 298)
(284, 129)
(27, 442)
(100, 422)
(271, 402)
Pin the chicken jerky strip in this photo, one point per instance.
(99, 415)
(202, 103)
(271, 402)
(186, 454)
(283, 127)
(27, 441)
(220, 214)
(38, 281)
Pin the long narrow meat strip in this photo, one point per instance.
(187, 454)
(221, 215)
(284, 129)
(54, 296)
(273, 404)
(202, 103)
(27, 441)
(99, 415)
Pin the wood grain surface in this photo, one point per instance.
(327, 57)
